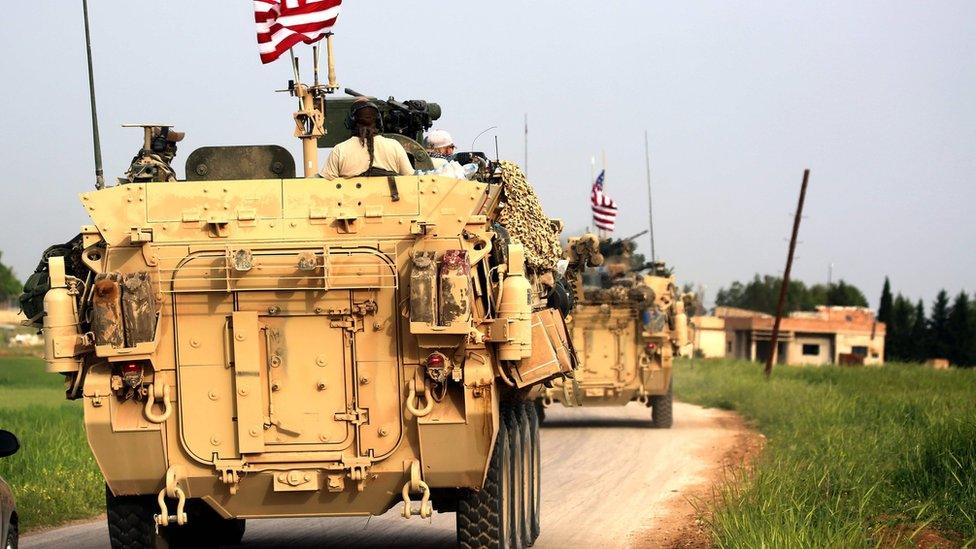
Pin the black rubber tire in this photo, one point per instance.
(540, 411)
(130, 521)
(13, 536)
(662, 415)
(484, 517)
(528, 501)
(534, 518)
(520, 529)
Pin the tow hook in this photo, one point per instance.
(415, 484)
(171, 490)
(151, 396)
(423, 396)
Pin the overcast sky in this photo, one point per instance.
(877, 98)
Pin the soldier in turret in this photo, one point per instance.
(366, 153)
(152, 162)
(440, 147)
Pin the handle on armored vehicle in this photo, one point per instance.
(151, 400)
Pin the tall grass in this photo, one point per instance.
(54, 477)
(855, 457)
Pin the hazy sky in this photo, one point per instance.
(877, 98)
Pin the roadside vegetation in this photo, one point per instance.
(855, 457)
(54, 476)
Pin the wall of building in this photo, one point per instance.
(811, 350)
(862, 344)
(708, 335)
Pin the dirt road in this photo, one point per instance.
(608, 480)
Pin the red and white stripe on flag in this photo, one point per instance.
(604, 210)
(284, 23)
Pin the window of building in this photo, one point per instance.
(859, 350)
(811, 349)
(728, 346)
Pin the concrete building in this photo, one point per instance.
(829, 335)
(708, 336)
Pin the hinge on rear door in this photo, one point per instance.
(356, 416)
(358, 470)
(230, 472)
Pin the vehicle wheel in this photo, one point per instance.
(540, 411)
(484, 517)
(661, 409)
(519, 464)
(13, 536)
(536, 468)
(130, 521)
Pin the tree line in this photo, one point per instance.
(949, 330)
(762, 294)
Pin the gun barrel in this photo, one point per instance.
(354, 93)
(642, 233)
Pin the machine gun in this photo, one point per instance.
(621, 246)
(400, 118)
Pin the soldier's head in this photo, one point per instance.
(365, 115)
(439, 142)
(164, 142)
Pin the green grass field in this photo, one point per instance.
(855, 457)
(54, 476)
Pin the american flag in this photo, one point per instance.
(284, 23)
(604, 208)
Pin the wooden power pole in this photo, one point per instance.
(786, 276)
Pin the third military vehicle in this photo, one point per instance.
(628, 324)
(248, 344)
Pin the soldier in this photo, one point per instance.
(440, 147)
(366, 153)
(153, 164)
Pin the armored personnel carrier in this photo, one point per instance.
(252, 344)
(628, 323)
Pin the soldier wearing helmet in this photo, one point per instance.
(440, 147)
(366, 153)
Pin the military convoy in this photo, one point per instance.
(248, 344)
(628, 323)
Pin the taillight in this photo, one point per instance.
(132, 374)
(650, 347)
(439, 367)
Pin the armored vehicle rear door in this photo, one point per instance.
(295, 362)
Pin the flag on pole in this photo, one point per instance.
(604, 207)
(284, 23)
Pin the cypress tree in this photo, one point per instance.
(919, 338)
(938, 327)
(884, 308)
(959, 328)
(898, 342)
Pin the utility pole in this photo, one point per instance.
(526, 144)
(786, 276)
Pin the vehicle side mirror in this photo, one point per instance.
(8, 444)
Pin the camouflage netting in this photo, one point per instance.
(525, 221)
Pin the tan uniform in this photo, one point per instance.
(350, 158)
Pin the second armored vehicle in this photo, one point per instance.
(626, 327)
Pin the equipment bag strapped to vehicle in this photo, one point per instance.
(32, 298)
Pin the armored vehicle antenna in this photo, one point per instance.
(99, 177)
(650, 209)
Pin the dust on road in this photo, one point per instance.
(608, 478)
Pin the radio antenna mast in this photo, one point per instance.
(99, 176)
(650, 208)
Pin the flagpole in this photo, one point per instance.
(650, 209)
